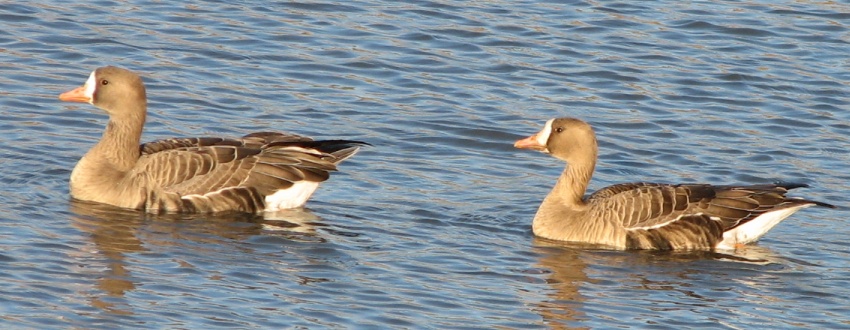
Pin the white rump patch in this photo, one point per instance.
(292, 197)
(756, 228)
(90, 84)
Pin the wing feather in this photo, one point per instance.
(267, 161)
(216, 173)
(651, 205)
(687, 231)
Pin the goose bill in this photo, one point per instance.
(83, 94)
(75, 95)
(531, 142)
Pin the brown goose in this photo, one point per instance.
(261, 171)
(649, 215)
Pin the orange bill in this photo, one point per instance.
(75, 95)
(529, 143)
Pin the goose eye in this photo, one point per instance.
(559, 130)
(104, 82)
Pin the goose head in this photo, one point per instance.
(117, 91)
(568, 139)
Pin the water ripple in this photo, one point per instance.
(430, 227)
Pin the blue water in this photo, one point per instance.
(430, 227)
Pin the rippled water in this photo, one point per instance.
(430, 228)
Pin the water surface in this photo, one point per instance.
(430, 228)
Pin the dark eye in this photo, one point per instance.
(104, 82)
(559, 130)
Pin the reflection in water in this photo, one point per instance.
(442, 91)
(577, 268)
(113, 231)
(118, 233)
(567, 274)
(292, 220)
(753, 254)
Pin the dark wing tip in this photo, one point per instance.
(349, 143)
(793, 185)
(790, 185)
(326, 146)
(824, 204)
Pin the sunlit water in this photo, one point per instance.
(430, 228)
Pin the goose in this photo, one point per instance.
(261, 171)
(646, 215)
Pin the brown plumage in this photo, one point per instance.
(257, 172)
(649, 215)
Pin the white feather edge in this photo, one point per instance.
(659, 225)
(293, 197)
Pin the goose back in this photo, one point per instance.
(216, 174)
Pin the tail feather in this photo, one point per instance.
(332, 146)
(326, 146)
(345, 153)
(340, 149)
(809, 201)
(786, 186)
(794, 185)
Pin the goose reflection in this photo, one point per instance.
(291, 220)
(678, 272)
(114, 233)
(119, 234)
(566, 275)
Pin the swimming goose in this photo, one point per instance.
(649, 215)
(263, 171)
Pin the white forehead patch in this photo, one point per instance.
(90, 86)
(543, 135)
